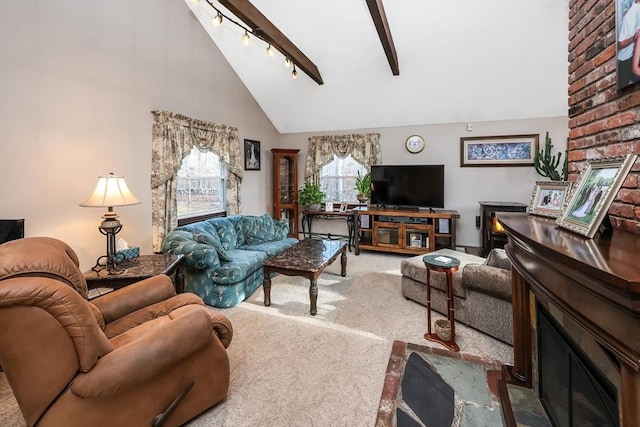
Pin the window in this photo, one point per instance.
(201, 184)
(338, 179)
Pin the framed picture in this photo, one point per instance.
(549, 198)
(594, 192)
(251, 155)
(508, 150)
(343, 206)
(328, 207)
(627, 65)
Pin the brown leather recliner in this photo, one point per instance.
(120, 360)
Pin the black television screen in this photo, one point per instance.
(411, 186)
(11, 229)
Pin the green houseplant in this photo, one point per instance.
(363, 186)
(311, 195)
(546, 165)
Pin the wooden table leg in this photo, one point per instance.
(313, 296)
(450, 314)
(343, 263)
(428, 302)
(266, 286)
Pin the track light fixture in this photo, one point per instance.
(246, 39)
(217, 21)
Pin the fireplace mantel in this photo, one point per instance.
(596, 282)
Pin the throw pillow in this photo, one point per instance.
(259, 229)
(212, 239)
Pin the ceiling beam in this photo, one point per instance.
(265, 29)
(380, 20)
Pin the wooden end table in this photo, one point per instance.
(439, 263)
(137, 269)
(307, 258)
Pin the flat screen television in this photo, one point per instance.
(11, 229)
(407, 186)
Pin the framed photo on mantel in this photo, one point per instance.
(595, 190)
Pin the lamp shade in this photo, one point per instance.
(110, 191)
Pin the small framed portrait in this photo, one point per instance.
(593, 193)
(549, 198)
(343, 206)
(328, 207)
(251, 155)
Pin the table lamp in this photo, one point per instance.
(110, 191)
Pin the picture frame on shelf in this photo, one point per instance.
(505, 150)
(328, 207)
(343, 207)
(594, 191)
(251, 155)
(549, 198)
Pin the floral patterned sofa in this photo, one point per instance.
(224, 256)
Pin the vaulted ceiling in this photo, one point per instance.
(458, 61)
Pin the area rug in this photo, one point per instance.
(431, 387)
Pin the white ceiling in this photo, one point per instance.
(460, 61)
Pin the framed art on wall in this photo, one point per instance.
(594, 192)
(251, 155)
(507, 150)
(549, 197)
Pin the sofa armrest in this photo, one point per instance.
(197, 255)
(149, 355)
(144, 293)
(488, 280)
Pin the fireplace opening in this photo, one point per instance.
(573, 391)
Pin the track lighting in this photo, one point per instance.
(246, 38)
(217, 21)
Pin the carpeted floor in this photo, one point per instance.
(289, 368)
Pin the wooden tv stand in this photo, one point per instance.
(404, 231)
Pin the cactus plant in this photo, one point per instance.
(547, 165)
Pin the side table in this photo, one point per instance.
(447, 265)
(137, 269)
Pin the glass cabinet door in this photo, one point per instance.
(285, 188)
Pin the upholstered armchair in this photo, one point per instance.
(141, 355)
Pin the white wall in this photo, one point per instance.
(78, 80)
(464, 186)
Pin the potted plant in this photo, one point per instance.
(311, 196)
(547, 165)
(363, 185)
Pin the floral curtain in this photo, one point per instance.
(364, 148)
(174, 135)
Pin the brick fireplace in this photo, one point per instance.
(588, 292)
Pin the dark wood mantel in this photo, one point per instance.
(596, 282)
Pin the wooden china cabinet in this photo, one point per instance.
(285, 187)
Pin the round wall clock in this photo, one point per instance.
(414, 144)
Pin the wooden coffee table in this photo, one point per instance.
(308, 258)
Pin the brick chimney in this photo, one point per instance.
(603, 121)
